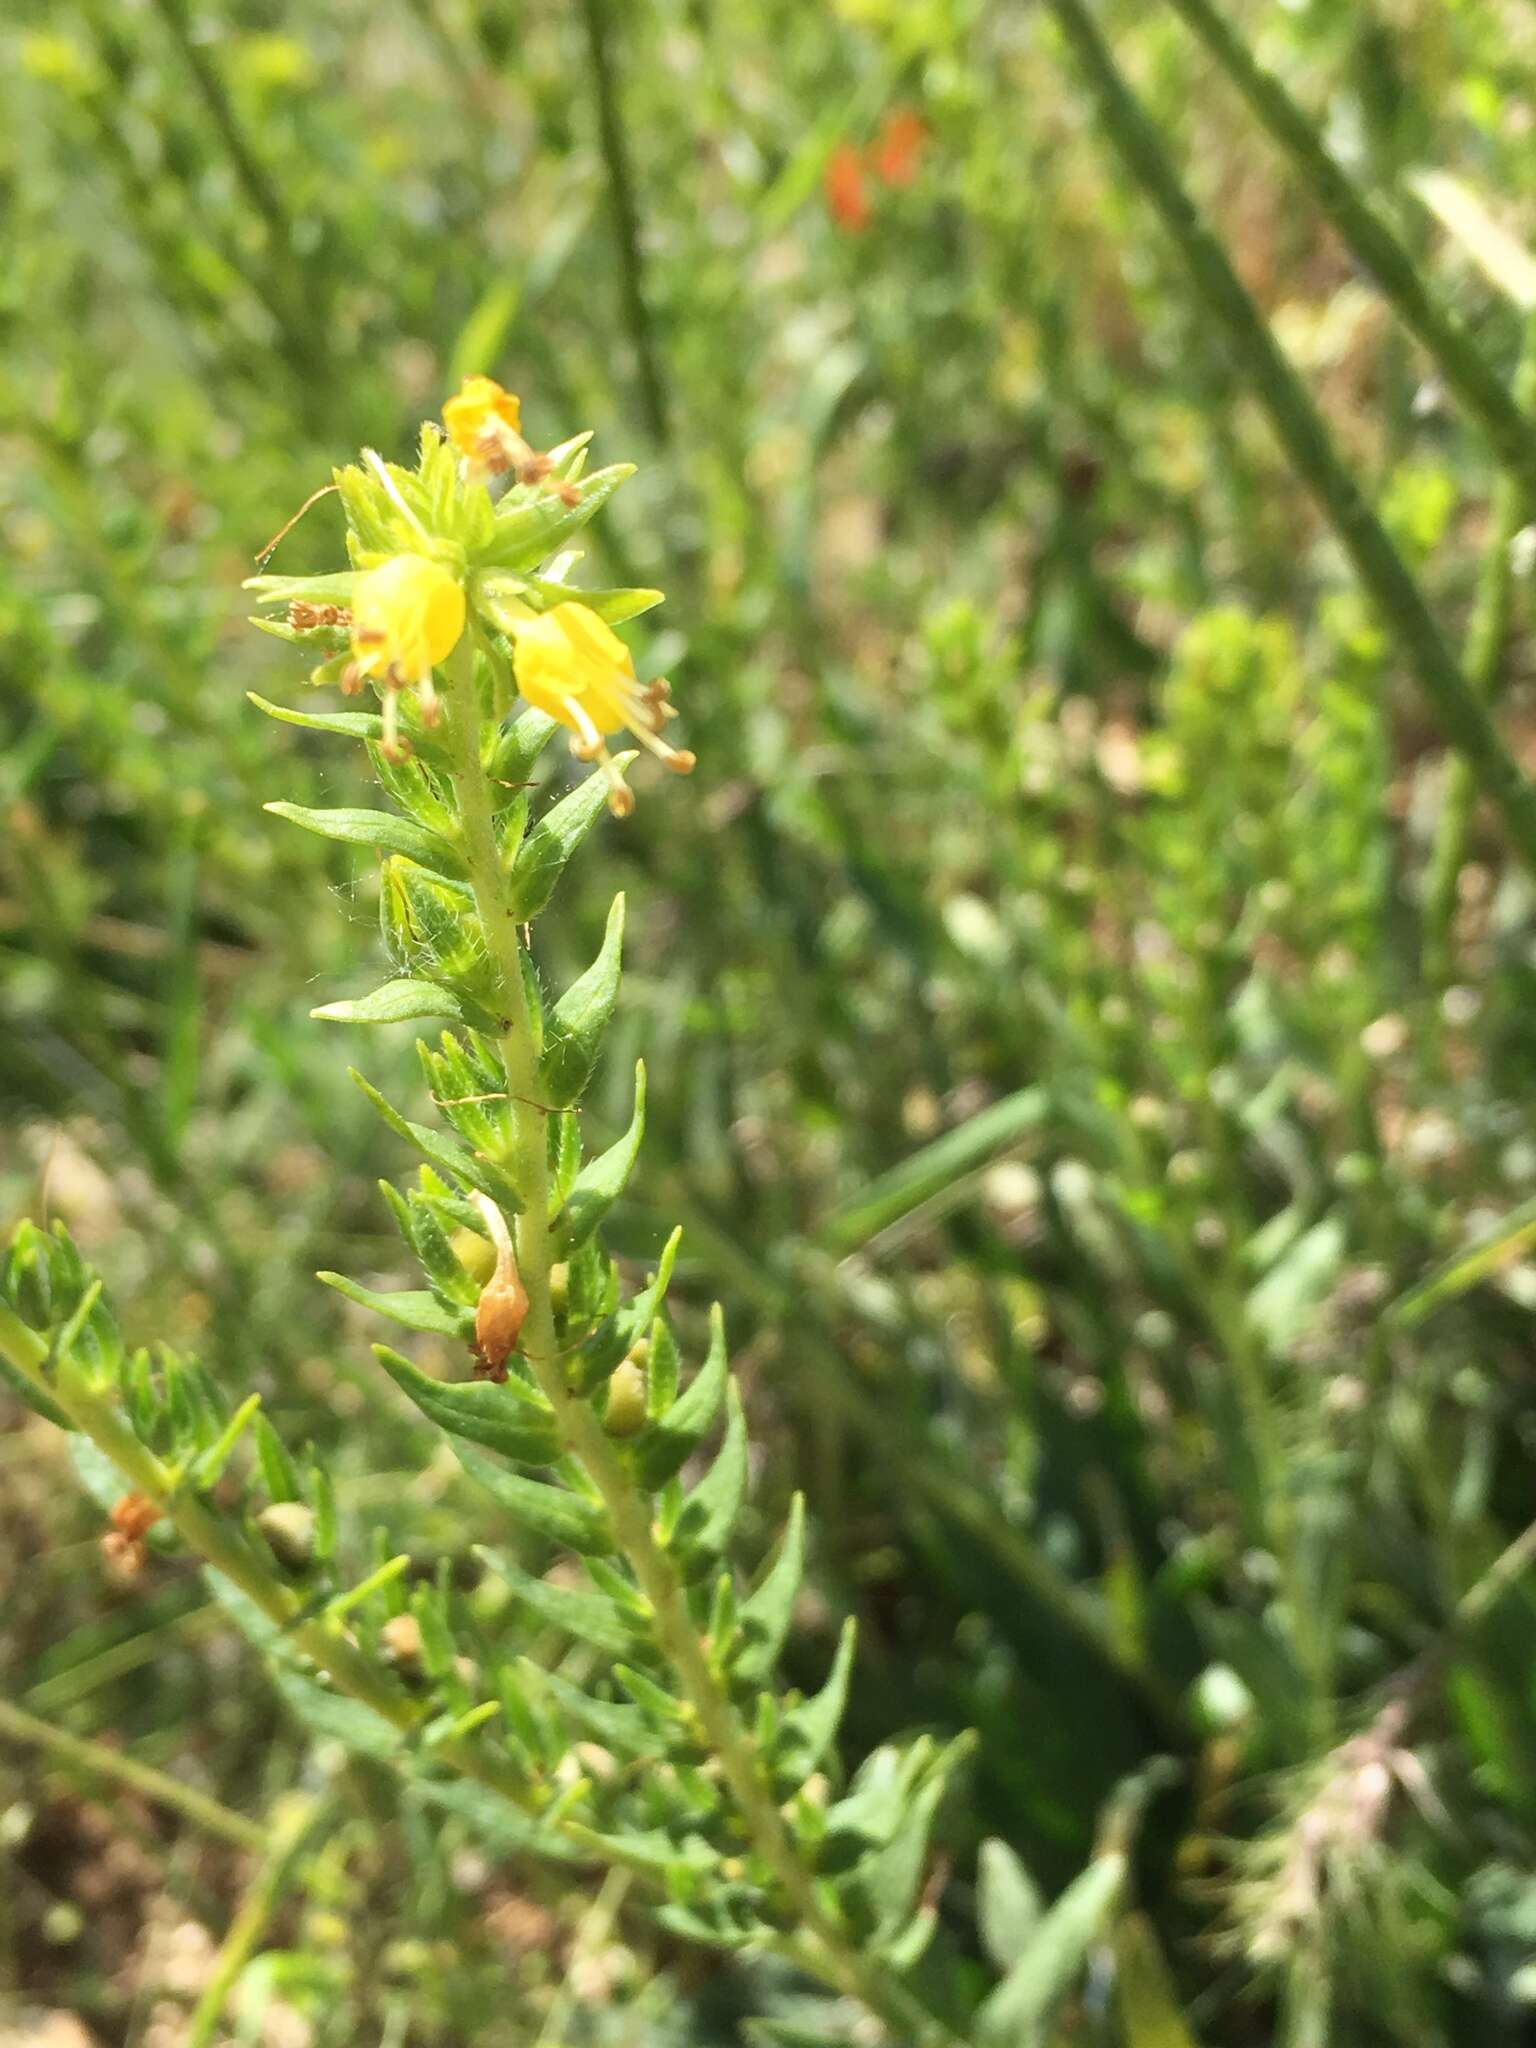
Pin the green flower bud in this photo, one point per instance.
(625, 1413)
(289, 1529)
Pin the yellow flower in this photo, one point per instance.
(571, 664)
(485, 424)
(407, 616)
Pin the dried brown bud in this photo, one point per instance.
(503, 1301)
(400, 1641)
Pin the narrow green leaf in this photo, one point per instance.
(1507, 1241)
(1008, 1904)
(600, 1183)
(395, 1003)
(624, 1730)
(667, 1446)
(1023, 2003)
(573, 1030)
(620, 1331)
(380, 829)
(413, 1308)
(1149, 2007)
(445, 1153)
(551, 1511)
(614, 606)
(503, 1418)
(552, 840)
(530, 528)
(765, 1614)
(351, 725)
(335, 588)
(585, 1617)
(932, 1172)
(708, 1515)
(809, 1729)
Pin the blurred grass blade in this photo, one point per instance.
(937, 1170)
(1465, 1269)
(1504, 261)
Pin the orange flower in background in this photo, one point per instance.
(898, 147)
(843, 181)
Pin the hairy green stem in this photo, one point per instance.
(220, 1547)
(1483, 659)
(1299, 427)
(95, 1760)
(1372, 242)
(828, 1949)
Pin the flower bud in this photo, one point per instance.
(475, 1254)
(289, 1529)
(503, 1300)
(400, 1641)
(625, 1413)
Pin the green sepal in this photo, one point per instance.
(584, 1617)
(381, 829)
(417, 791)
(350, 725)
(413, 1309)
(396, 1002)
(573, 1030)
(764, 1616)
(446, 1154)
(1021, 2006)
(667, 1446)
(708, 1514)
(550, 1511)
(541, 858)
(810, 1729)
(527, 529)
(599, 1184)
(505, 1418)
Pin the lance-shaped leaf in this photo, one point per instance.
(615, 606)
(667, 1446)
(888, 1879)
(505, 1418)
(708, 1515)
(624, 1730)
(764, 1616)
(447, 1154)
(395, 1003)
(375, 828)
(551, 1511)
(351, 725)
(1020, 2007)
(413, 1308)
(810, 1728)
(528, 529)
(618, 1334)
(583, 1616)
(1008, 1904)
(335, 588)
(573, 1030)
(550, 843)
(599, 1184)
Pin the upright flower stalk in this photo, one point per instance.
(559, 1383)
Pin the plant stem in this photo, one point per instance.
(96, 1760)
(829, 1949)
(1483, 659)
(1372, 242)
(324, 1643)
(1299, 427)
(626, 219)
(287, 1839)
